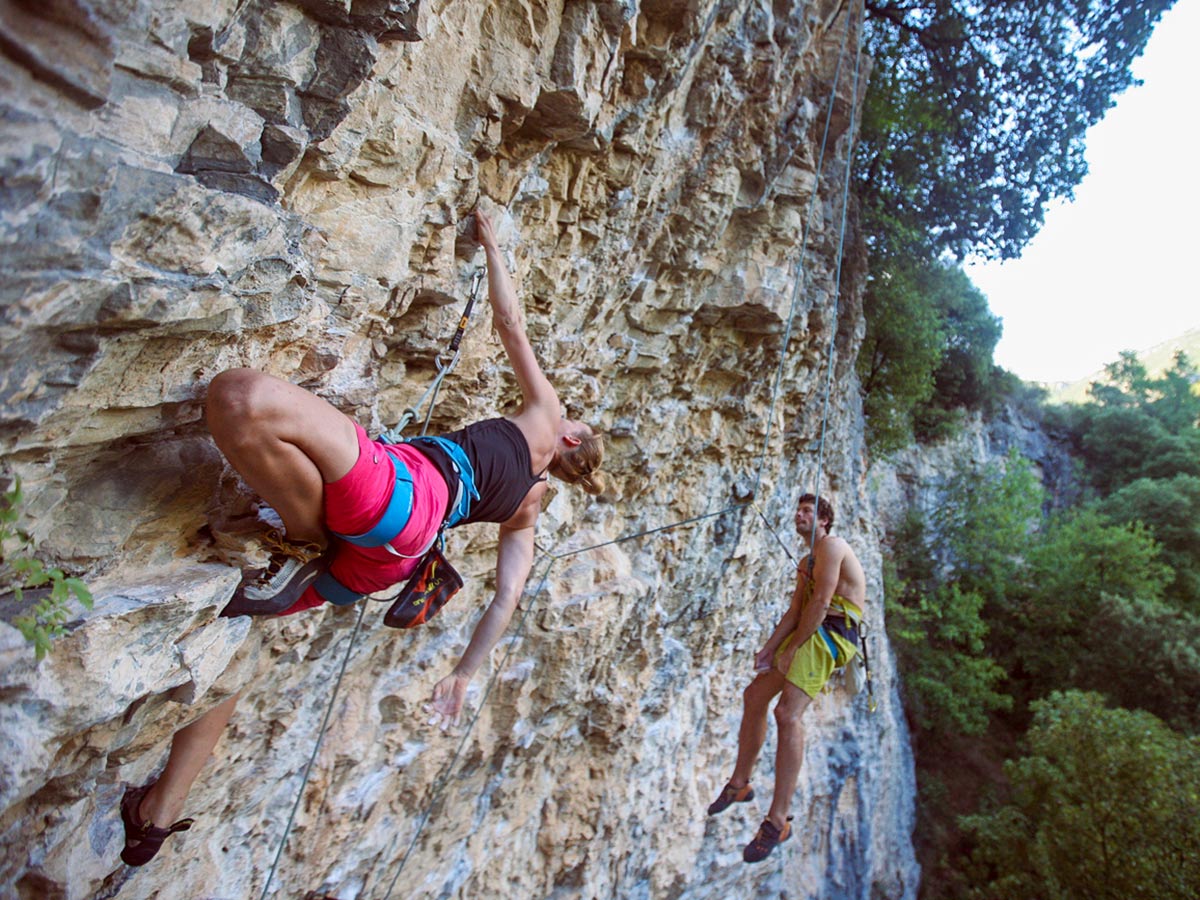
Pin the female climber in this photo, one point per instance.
(332, 485)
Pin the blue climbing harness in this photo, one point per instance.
(399, 511)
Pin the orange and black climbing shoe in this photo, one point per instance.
(768, 838)
(730, 795)
(143, 839)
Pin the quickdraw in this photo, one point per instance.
(446, 362)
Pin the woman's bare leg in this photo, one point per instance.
(284, 441)
(190, 749)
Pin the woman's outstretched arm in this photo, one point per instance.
(509, 321)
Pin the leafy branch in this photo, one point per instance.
(22, 571)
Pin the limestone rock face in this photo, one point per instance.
(198, 185)
(912, 479)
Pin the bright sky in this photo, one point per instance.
(1116, 268)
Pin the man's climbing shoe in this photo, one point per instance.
(272, 590)
(730, 795)
(143, 839)
(768, 838)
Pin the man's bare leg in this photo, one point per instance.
(789, 755)
(190, 750)
(285, 443)
(756, 702)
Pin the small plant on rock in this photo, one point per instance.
(21, 572)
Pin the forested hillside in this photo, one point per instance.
(1050, 653)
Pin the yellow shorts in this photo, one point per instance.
(814, 662)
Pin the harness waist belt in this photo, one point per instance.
(833, 650)
(334, 591)
(465, 491)
(847, 629)
(394, 517)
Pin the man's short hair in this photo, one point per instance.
(824, 509)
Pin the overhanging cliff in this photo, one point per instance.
(198, 185)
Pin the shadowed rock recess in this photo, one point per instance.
(195, 185)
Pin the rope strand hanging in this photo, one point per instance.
(444, 367)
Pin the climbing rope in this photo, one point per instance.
(445, 776)
(798, 279)
(287, 829)
(837, 293)
(552, 557)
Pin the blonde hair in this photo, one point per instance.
(581, 465)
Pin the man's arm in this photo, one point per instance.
(787, 624)
(514, 559)
(827, 565)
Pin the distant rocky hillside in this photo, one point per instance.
(1157, 359)
(201, 184)
(911, 478)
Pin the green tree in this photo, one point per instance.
(927, 353)
(1138, 426)
(1143, 654)
(1104, 805)
(1128, 385)
(984, 521)
(1171, 398)
(1116, 442)
(941, 581)
(1170, 508)
(1177, 399)
(903, 347)
(965, 378)
(976, 114)
(1045, 632)
(950, 682)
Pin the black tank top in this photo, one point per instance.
(499, 454)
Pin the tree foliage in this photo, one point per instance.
(904, 345)
(1076, 558)
(985, 521)
(1140, 441)
(1144, 654)
(1070, 619)
(1101, 598)
(927, 353)
(973, 121)
(1170, 508)
(1138, 426)
(943, 579)
(976, 113)
(1104, 806)
(951, 684)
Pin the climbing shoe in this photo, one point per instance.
(276, 588)
(143, 839)
(730, 795)
(768, 838)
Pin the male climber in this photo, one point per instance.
(818, 633)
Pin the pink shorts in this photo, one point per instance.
(355, 502)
